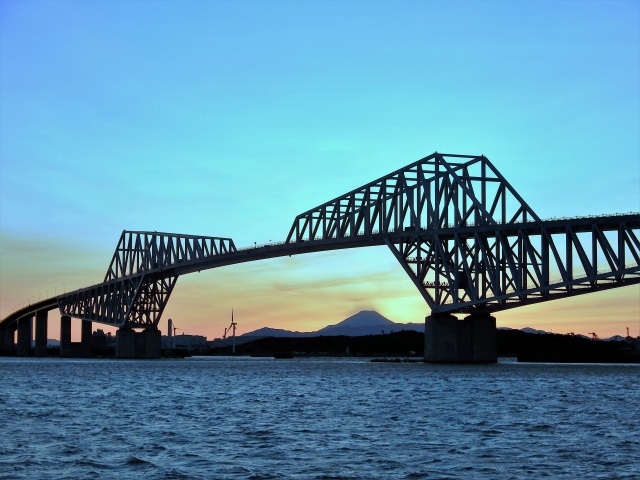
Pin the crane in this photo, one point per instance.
(593, 335)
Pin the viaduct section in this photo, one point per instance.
(468, 241)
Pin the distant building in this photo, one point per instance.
(186, 342)
(101, 340)
(182, 342)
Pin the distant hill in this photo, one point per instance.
(370, 322)
(533, 330)
(527, 347)
(274, 332)
(364, 318)
(366, 322)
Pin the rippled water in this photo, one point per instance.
(216, 418)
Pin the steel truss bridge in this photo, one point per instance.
(462, 233)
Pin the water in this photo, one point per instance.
(221, 418)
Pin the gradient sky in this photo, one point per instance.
(230, 118)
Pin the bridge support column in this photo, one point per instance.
(25, 334)
(145, 344)
(7, 332)
(86, 345)
(152, 343)
(41, 333)
(448, 340)
(441, 338)
(125, 343)
(483, 337)
(65, 336)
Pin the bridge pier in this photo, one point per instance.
(483, 337)
(152, 339)
(125, 343)
(86, 339)
(41, 333)
(65, 336)
(449, 340)
(25, 334)
(7, 333)
(145, 344)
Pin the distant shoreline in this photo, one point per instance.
(408, 345)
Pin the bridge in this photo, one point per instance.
(468, 241)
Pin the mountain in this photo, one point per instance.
(533, 330)
(275, 332)
(370, 322)
(366, 322)
(364, 318)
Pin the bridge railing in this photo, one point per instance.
(424, 228)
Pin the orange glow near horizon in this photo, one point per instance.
(306, 293)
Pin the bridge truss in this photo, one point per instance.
(462, 233)
(140, 278)
(470, 243)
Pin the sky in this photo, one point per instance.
(229, 118)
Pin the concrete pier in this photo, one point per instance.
(449, 340)
(125, 343)
(25, 335)
(7, 334)
(65, 336)
(441, 338)
(41, 333)
(86, 345)
(145, 344)
(152, 343)
(483, 338)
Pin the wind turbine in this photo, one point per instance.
(232, 328)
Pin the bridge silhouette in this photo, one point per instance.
(461, 232)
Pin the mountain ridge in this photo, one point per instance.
(365, 322)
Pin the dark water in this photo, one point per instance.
(213, 418)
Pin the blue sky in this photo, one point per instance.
(230, 118)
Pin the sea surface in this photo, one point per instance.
(251, 418)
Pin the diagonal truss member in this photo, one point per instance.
(140, 278)
(470, 243)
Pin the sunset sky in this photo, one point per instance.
(229, 118)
